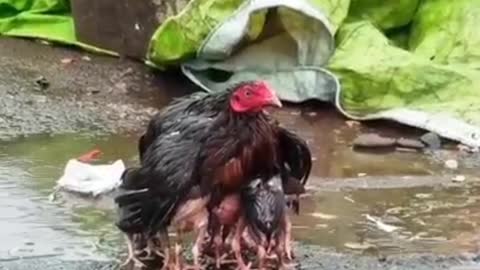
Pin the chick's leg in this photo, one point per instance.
(283, 249)
(178, 252)
(197, 247)
(261, 254)
(236, 245)
(218, 248)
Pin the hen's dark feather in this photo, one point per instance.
(151, 194)
(296, 155)
(201, 104)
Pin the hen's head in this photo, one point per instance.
(253, 97)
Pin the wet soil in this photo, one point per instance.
(102, 102)
(56, 91)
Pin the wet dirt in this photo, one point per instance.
(436, 219)
(106, 95)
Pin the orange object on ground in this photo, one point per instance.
(90, 156)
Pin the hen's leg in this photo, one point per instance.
(288, 237)
(150, 249)
(131, 253)
(165, 244)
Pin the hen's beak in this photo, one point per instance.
(275, 101)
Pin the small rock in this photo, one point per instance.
(121, 86)
(373, 140)
(86, 58)
(451, 164)
(41, 99)
(361, 174)
(44, 42)
(295, 113)
(312, 114)
(352, 123)
(323, 216)
(466, 148)
(93, 90)
(410, 143)
(459, 178)
(66, 60)
(432, 140)
(358, 246)
(42, 82)
(423, 195)
(408, 150)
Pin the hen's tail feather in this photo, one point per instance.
(298, 155)
(140, 207)
(135, 179)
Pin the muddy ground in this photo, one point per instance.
(51, 90)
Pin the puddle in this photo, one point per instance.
(329, 139)
(70, 228)
(426, 219)
(440, 219)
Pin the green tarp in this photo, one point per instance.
(413, 61)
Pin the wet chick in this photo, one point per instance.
(264, 222)
(191, 216)
(227, 215)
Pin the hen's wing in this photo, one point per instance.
(166, 121)
(151, 194)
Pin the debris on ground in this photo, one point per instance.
(323, 216)
(80, 176)
(359, 246)
(451, 164)
(352, 123)
(459, 178)
(373, 140)
(410, 143)
(382, 226)
(467, 149)
(42, 82)
(66, 61)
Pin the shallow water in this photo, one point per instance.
(440, 219)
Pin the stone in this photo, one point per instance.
(373, 140)
(122, 26)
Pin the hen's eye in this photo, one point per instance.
(248, 93)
